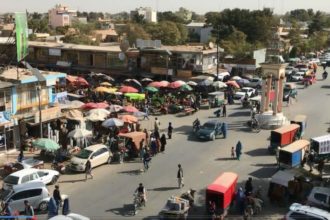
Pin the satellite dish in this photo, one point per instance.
(211, 45)
(124, 45)
(121, 56)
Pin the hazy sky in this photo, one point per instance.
(199, 6)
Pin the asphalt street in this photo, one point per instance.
(110, 194)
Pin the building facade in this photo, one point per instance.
(61, 16)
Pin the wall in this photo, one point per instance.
(259, 56)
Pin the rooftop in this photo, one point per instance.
(111, 32)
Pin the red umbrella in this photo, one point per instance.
(81, 81)
(128, 89)
(176, 84)
(155, 84)
(93, 105)
(128, 118)
(130, 109)
(233, 83)
(164, 83)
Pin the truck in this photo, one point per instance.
(283, 136)
(321, 147)
(291, 155)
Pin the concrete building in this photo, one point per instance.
(199, 32)
(109, 35)
(19, 104)
(61, 16)
(147, 12)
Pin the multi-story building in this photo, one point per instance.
(61, 16)
(148, 14)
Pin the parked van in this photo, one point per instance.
(298, 211)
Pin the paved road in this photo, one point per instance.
(109, 195)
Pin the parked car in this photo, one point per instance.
(298, 76)
(319, 197)
(210, 130)
(97, 154)
(245, 90)
(289, 70)
(31, 175)
(255, 83)
(302, 67)
(35, 192)
(27, 163)
(298, 211)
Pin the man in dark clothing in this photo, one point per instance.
(57, 196)
(180, 176)
(169, 130)
(146, 159)
(28, 210)
(88, 169)
(248, 186)
(162, 143)
(224, 110)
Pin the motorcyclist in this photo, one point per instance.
(141, 193)
(196, 123)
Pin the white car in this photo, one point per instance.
(31, 175)
(319, 197)
(245, 90)
(298, 211)
(97, 154)
(299, 76)
(71, 216)
(255, 83)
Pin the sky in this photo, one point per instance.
(199, 6)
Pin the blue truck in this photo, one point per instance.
(292, 155)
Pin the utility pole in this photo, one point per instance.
(218, 38)
(40, 114)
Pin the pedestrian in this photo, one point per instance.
(310, 161)
(180, 176)
(288, 101)
(232, 152)
(278, 156)
(224, 130)
(238, 150)
(224, 110)
(240, 198)
(162, 143)
(146, 160)
(146, 112)
(248, 186)
(320, 167)
(6, 210)
(28, 211)
(88, 170)
(153, 145)
(57, 196)
(169, 130)
(142, 152)
(156, 134)
(20, 156)
(156, 124)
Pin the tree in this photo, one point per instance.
(295, 34)
(197, 17)
(318, 23)
(79, 39)
(138, 18)
(168, 32)
(183, 33)
(38, 24)
(236, 44)
(212, 18)
(133, 31)
(169, 16)
(184, 14)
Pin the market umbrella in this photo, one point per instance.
(176, 84)
(192, 83)
(79, 133)
(112, 122)
(151, 89)
(236, 78)
(164, 83)
(146, 80)
(139, 114)
(93, 105)
(134, 81)
(135, 96)
(186, 88)
(105, 84)
(207, 82)
(155, 84)
(129, 89)
(46, 144)
(97, 115)
(71, 104)
(130, 109)
(103, 89)
(74, 114)
(128, 118)
(115, 108)
(233, 83)
(219, 84)
(107, 78)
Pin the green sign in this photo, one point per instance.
(21, 35)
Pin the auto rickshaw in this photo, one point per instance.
(216, 99)
(282, 137)
(301, 120)
(222, 192)
(175, 208)
(131, 142)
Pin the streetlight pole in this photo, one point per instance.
(40, 114)
(218, 38)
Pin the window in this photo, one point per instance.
(34, 176)
(320, 197)
(20, 196)
(35, 192)
(25, 179)
(41, 174)
(300, 216)
(103, 150)
(11, 180)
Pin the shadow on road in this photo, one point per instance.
(185, 129)
(72, 181)
(126, 210)
(240, 114)
(325, 87)
(258, 152)
(132, 172)
(264, 172)
(265, 164)
(224, 158)
(163, 188)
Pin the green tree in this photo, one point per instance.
(318, 23)
(169, 16)
(61, 30)
(183, 33)
(38, 25)
(133, 31)
(236, 44)
(212, 18)
(197, 17)
(184, 14)
(79, 39)
(166, 31)
(295, 34)
(138, 18)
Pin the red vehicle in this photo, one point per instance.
(283, 136)
(222, 192)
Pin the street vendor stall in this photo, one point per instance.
(132, 142)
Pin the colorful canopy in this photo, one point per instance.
(80, 133)
(192, 83)
(74, 114)
(186, 88)
(115, 108)
(46, 144)
(233, 83)
(130, 109)
(112, 122)
(93, 105)
(151, 89)
(135, 96)
(105, 84)
(219, 84)
(176, 84)
(103, 89)
(77, 81)
(128, 89)
(97, 114)
(146, 80)
(128, 118)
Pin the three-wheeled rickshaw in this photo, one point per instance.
(129, 143)
(222, 192)
(282, 137)
(175, 208)
(291, 155)
(301, 120)
(216, 99)
(321, 147)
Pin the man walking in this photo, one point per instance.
(180, 176)
(169, 130)
(156, 124)
(238, 150)
(57, 196)
(28, 210)
(224, 110)
(88, 170)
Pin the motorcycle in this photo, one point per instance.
(196, 125)
(190, 196)
(254, 124)
(60, 167)
(138, 203)
(325, 75)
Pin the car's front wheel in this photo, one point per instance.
(54, 179)
(109, 160)
(212, 137)
(43, 206)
